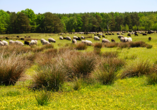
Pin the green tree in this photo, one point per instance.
(22, 23)
(4, 21)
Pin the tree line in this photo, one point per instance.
(26, 21)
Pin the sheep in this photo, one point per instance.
(61, 38)
(5, 42)
(51, 40)
(1, 43)
(17, 36)
(78, 38)
(103, 36)
(87, 42)
(19, 43)
(44, 42)
(68, 38)
(26, 42)
(149, 38)
(118, 33)
(120, 36)
(129, 39)
(75, 37)
(105, 40)
(128, 34)
(33, 42)
(22, 38)
(11, 42)
(112, 40)
(74, 41)
(82, 37)
(96, 38)
(6, 38)
(144, 34)
(125, 39)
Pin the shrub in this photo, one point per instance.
(110, 54)
(83, 65)
(81, 46)
(97, 51)
(50, 76)
(11, 69)
(123, 45)
(12, 93)
(111, 45)
(106, 71)
(98, 45)
(139, 69)
(43, 98)
(152, 78)
(77, 84)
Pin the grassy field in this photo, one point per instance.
(124, 94)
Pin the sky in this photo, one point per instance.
(79, 6)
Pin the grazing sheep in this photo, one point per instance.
(44, 42)
(17, 36)
(26, 42)
(75, 37)
(6, 38)
(129, 39)
(112, 40)
(105, 40)
(5, 42)
(125, 39)
(33, 42)
(96, 38)
(87, 42)
(149, 38)
(68, 38)
(128, 34)
(1, 43)
(11, 42)
(78, 38)
(61, 38)
(103, 36)
(22, 38)
(118, 33)
(51, 40)
(120, 37)
(82, 37)
(74, 41)
(144, 34)
(19, 43)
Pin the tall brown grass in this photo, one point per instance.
(11, 69)
(81, 46)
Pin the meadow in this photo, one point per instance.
(93, 78)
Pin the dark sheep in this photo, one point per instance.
(128, 34)
(64, 38)
(6, 38)
(112, 40)
(17, 36)
(144, 34)
(26, 42)
(103, 36)
(22, 38)
(78, 38)
(149, 38)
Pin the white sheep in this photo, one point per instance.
(75, 37)
(61, 38)
(82, 37)
(96, 38)
(11, 42)
(74, 41)
(68, 38)
(51, 40)
(44, 42)
(105, 40)
(18, 43)
(87, 42)
(33, 42)
(5, 42)
(1, 43)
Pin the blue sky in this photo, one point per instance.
(79, 6)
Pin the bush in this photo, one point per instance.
(106, 72)
(81, 46)
(43, 98)
(152, 78)
(111, 45)
(139, 69)
(110, 54)
(50, 76)
(11, 69)
(98, 45)
(97, 51)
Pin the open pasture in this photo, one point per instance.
(80, 91)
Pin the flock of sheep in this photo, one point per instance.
(74, 39)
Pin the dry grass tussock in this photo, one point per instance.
(137, 69)
(11, 68)
(81, 46)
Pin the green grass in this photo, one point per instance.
(129, 93)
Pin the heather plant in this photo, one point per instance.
(11, 69)
(81, 46)
(137, 69)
